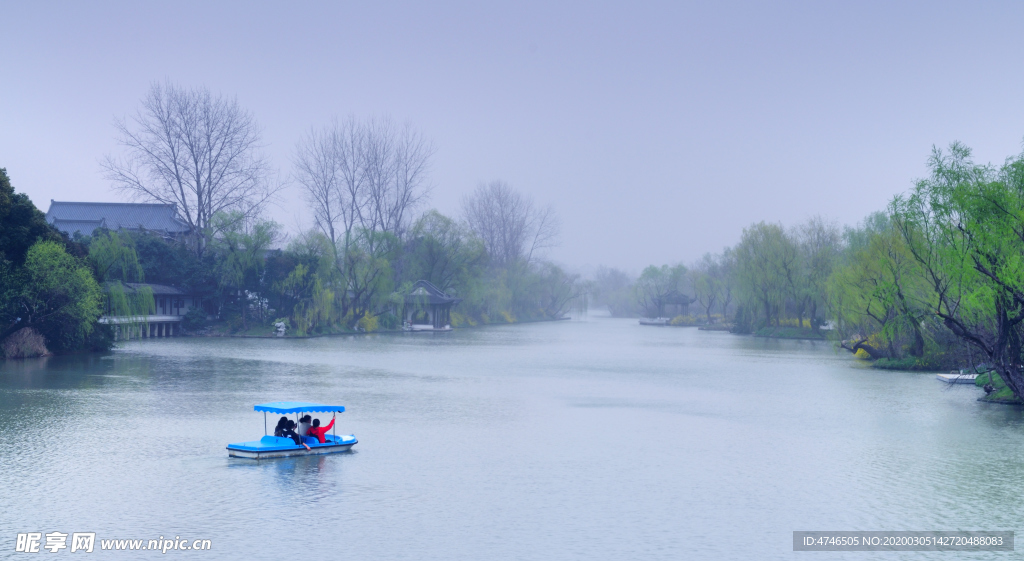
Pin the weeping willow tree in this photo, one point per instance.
(116, 262)
(320, 309)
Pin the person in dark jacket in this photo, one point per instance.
(282, 424)
(289, 432)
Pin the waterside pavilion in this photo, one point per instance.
(171, 306)
(427, 308)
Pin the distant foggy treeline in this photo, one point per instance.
(772, 277)
(366, 186)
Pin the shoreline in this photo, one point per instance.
(822, 339)
(349, 333)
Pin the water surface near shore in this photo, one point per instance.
(596, 439)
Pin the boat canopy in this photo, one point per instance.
(284, 407)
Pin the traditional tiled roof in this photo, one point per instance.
(86, 227)
(158, 289)
(424, 292)
(86, 217)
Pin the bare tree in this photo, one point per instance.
(362, 179)
(511, 227)
(545, 226)
(395, 163)
(318, 171)
(362, 175)
(195, 150)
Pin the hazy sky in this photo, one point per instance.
(658, 131)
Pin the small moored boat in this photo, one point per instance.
(957, 378)
(279, 446)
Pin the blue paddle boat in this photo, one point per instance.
(280, 446)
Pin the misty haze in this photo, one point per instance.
(523, 281)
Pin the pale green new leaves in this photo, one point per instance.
(59, 288)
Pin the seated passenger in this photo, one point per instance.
(290, 433)
(317, 431)
(281, 426)
(303, 429)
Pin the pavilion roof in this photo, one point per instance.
(424, 292)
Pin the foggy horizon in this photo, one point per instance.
(657, 134)
(462, 263)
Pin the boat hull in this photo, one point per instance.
(277, 447)
(288, 453)
(953, 378)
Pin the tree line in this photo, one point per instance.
(366, 185)
(49, 297)
(934, 281)
(773, 277)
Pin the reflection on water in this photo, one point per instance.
(586, 439)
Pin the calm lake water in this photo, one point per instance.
(596, 439)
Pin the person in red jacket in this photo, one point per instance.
(318, 432)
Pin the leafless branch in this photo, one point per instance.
(199, 152)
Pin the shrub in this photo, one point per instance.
(925, 363)
(909, 363)
(459, 320)
(509, 318)
(280, 321)
(368, 323)
(25, 343)
(388, 320)
(194, 319)
(101, 338)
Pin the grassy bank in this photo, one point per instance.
(924, 364)
(717, 327)
(1002, 393)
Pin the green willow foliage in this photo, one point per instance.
(964, 228)
(116, 262)
(659, 287)
(240, 250)
(767, 270)
(59, 296)
(879, 290)
(316, 286)
(937, 281)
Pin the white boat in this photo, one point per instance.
(424, 327)
(660, 322)
(957, 378)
